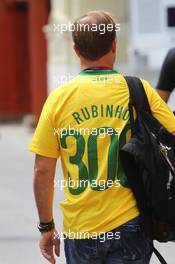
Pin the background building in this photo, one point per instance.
(23, 76)
(36, 56)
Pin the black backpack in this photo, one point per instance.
(148, 160)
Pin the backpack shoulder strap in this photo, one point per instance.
(139, 100)
(138, 96)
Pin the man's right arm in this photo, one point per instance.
(159, 108)
(164, 94)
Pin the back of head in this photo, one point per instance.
(93, 34)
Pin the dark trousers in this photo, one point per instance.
(124, 245)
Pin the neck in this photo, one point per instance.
(91, 64)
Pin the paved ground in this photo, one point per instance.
(18, 233)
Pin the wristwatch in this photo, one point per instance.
(46, 227)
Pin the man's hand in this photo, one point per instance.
(50, 245)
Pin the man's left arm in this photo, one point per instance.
(45, 145)
(44, 173)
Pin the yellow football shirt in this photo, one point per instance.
(86, 122)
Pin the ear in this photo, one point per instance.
(76, 51)
(114, 46)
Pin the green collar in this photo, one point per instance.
(97, 72)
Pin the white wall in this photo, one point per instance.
(143, 39)
(150, 36)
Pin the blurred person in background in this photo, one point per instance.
(166, 82)
(101, 222)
